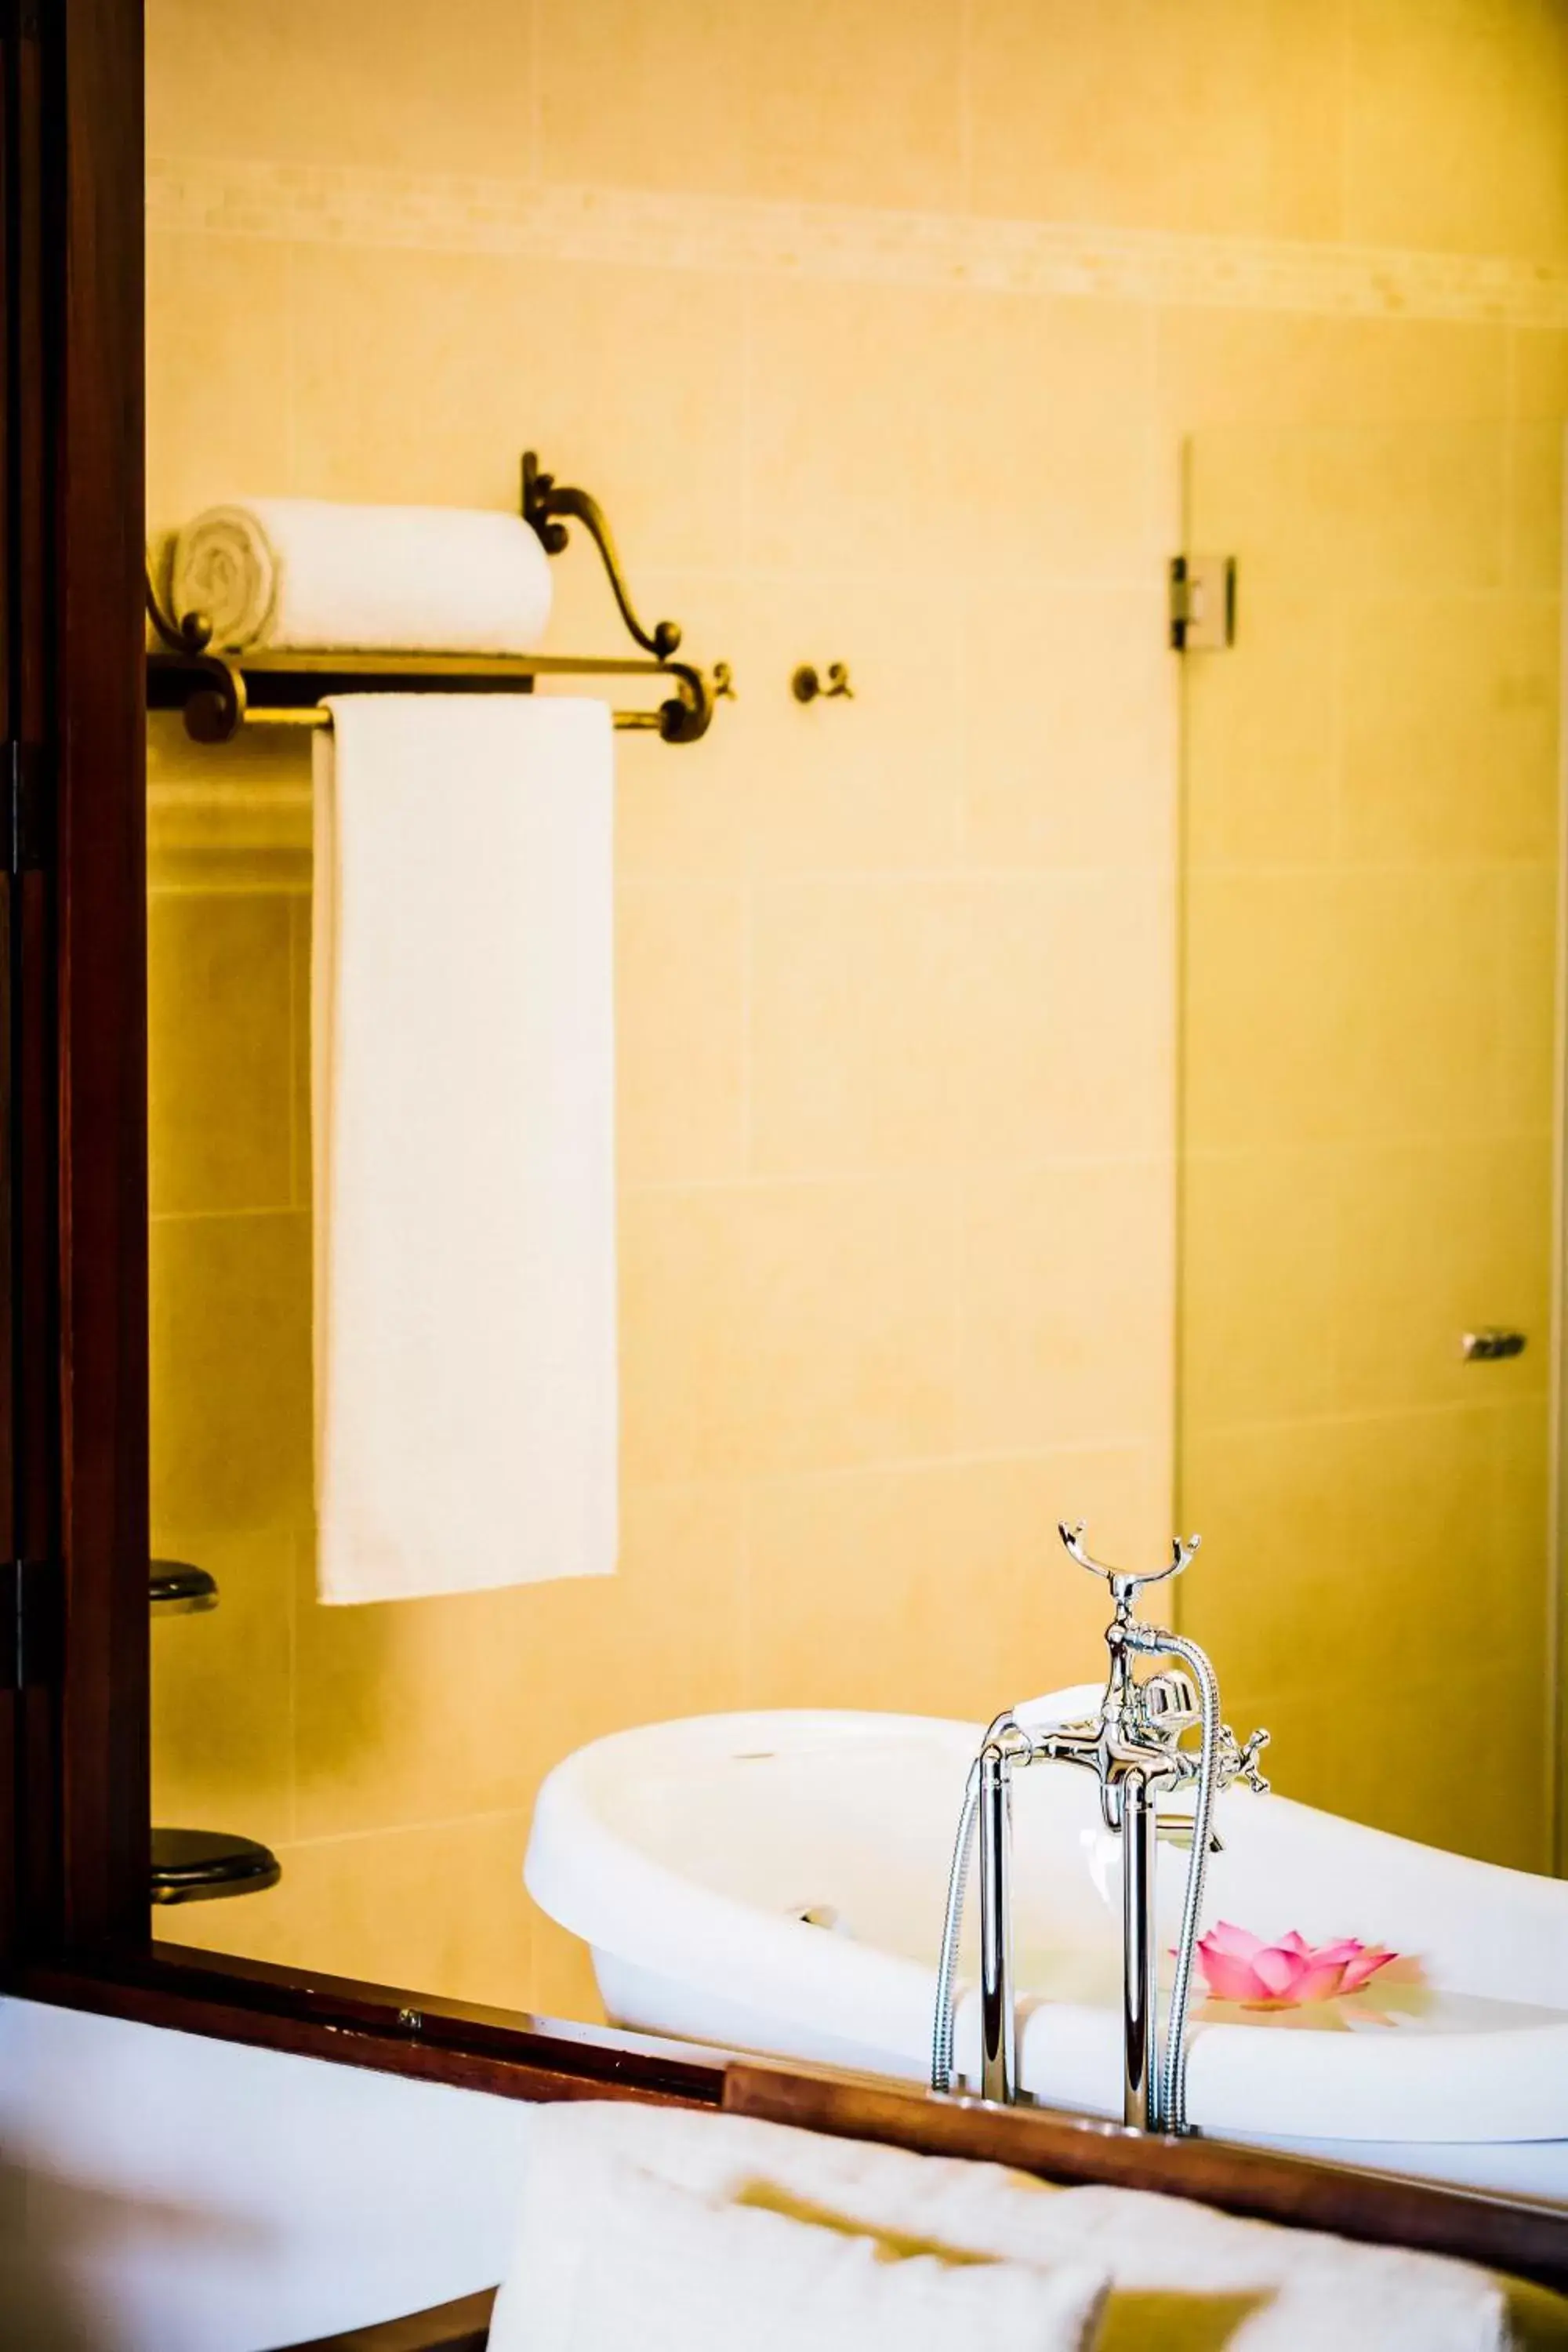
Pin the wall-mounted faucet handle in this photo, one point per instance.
(1240, 1763)
(1123, 1585)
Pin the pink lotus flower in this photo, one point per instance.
(1238, 1966)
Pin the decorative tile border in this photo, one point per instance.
(442, 213)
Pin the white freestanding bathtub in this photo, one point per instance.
(775, 1882)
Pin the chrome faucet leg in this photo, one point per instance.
(998, 2051)
(1140, 2051)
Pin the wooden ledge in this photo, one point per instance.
(1524, 2238)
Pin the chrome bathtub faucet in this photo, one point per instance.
(1132, 1748)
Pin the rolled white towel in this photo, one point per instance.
(307, 575)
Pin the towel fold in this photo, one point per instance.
(307, 575)
(1180, 2273)
(463, 1145)
(611, 2257)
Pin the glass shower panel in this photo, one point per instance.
(1368, 1098)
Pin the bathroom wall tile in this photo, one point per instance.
(369, 425)
(780, 1327)
(813, 136)
(1432, 1240)
(901, 1589)
(1538, 409)
(1275, 1598)
(222, 1695)
(1538, 374)
(1263, 1014)
(1520, 1532)
(425, 1710)
(1054, 465)
(1380, 505)
(1318, 1534)
(680, 810)
(437, 1908)
(1441, 690)
(645, 93)
(858, 1027)
(1261, 732)
(1287, 1595)
(941, 1588)
(402, 1713)
(1534, 551)
(870, 784)
(425, 86)
(680, 1005)
(230, 1370)
(1065, 1335)
(516, 354)
(1526, 904)
(1068, 1043)
(1220, 118)
(930, 1022)
(1454, 129)
(219, 420)
(1420, 1027)
(1322, 1003)
(1257, 1267)
(1465, 1537)
(665, 1634)
(769, 99)
(852, 404)
(1282, 369)
(1491, 1806)
(1070, 725)
(218, 1052)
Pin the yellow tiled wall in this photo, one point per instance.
(896, 976)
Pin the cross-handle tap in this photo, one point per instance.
(1132, 1746)
(1237, 1760)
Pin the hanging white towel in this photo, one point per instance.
(462, 1053)
(305, 575)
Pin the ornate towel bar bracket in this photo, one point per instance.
(219, 693)
(545, 502)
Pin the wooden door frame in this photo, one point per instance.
(76, 1482)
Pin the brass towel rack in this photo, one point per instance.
(219, 693)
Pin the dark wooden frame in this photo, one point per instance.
(74, 1794)
(75, 1746)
